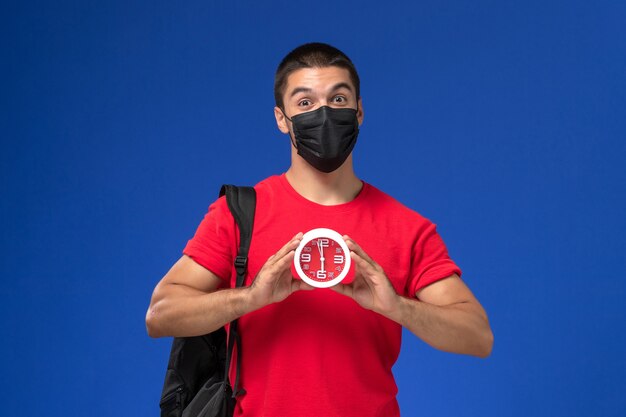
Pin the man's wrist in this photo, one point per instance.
(249, 300)
(399, 311)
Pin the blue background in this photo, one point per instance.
(503, 122)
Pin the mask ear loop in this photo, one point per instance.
(293, 142)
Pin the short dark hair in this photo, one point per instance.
(312, 55)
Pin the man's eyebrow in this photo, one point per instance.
(342, 85)
(300, 90)
(308, 90)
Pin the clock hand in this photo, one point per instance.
(322, 255)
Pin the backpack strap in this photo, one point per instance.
(242, 204)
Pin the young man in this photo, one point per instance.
(321, 352)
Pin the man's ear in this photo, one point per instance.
(359, 113)
(281, 120)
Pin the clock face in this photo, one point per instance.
(322, 259)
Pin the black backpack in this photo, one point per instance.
(196, 382)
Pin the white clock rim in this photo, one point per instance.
(322, 232)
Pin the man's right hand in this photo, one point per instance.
(274, 282)
(185, 302)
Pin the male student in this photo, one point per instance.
(310, 351)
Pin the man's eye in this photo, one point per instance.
(304, 103)
(339, 99)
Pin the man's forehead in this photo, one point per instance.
(324, 78)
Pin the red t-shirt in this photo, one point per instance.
(319, 353)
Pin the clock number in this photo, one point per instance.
(321, 274)
(339, 259)
(323, 242)
(305, 257)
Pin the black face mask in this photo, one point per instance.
(325, 136)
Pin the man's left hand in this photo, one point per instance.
(371, 288)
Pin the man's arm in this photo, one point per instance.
(186, 301)
(447, 316)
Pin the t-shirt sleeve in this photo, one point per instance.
(430, 260)
(213, 242)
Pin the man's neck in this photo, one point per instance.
(338, 187)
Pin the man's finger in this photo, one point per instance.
(363, 266)
(283, 262)
(342, 289)
(354, 247)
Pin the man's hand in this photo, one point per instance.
(371, 288)
(274, 281)
(448, 317)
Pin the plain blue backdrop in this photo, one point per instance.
(504, 122)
